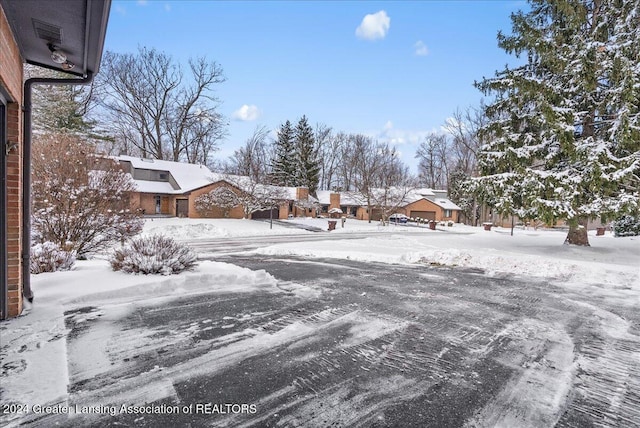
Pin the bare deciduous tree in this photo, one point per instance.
(254, 196)
(332, 156)
(433, 160)
(157, 109)
(252, 159)
(379, 175)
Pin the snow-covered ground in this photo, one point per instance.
(33, 350)
(534, 253)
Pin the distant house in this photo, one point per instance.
(424, 203)
(171, 188)
(433, 205)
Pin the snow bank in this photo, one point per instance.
(539, 254)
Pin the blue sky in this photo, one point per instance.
(392, 70)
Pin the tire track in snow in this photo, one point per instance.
(607, 386)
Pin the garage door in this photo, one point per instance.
(428, 215)
(376, 214)
(182, 207)
(266, 214)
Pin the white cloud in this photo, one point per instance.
(451, 125)
(167, 7)
(142, 2)
(246, 113)
(420, 48)
(396, 136)
(374, 26)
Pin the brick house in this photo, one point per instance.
(171, 188)
(32, 31)
(425, 203)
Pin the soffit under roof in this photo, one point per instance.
(77, 27)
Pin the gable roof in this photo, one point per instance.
(190, 177)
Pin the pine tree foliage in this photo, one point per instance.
(283, 168)
(60, 108)
(308, 165)
(627, 225)
(563, 138)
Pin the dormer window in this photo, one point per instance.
(164, 176)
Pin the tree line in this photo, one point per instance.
(558, 139)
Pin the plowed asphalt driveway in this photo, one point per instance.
(349, 344)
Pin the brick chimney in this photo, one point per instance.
(302, 193)
(334, 200)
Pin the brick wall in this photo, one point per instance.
(11, 81)
(236, 212)
(14, 212)
(10, 61)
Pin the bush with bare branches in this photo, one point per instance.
(154, 254)
(81, 201)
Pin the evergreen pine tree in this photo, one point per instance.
(284, 170)
(308, 165)
(564, 128)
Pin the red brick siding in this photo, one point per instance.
(11, 81)
(10, 60)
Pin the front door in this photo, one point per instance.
(164, 207)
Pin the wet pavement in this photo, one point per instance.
(350, 344)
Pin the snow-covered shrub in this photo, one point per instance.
(153, 254)
(627, 226)
(49, 257)
(80, 200)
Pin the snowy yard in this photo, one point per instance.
(74, 332)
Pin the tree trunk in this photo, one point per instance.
(578, 234)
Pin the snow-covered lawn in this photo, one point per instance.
(534, 253)
(191, 228)
(34, 367)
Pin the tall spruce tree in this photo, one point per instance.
(283, 167)
(61, 108)
(564, 128)
(308, 165)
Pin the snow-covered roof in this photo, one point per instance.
(324, 196)
(445, 204)
(188, 176)
(357, 199)
(146, 186)
(193, 176)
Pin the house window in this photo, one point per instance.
(447, 213)
(157, 204)
(163, 176)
